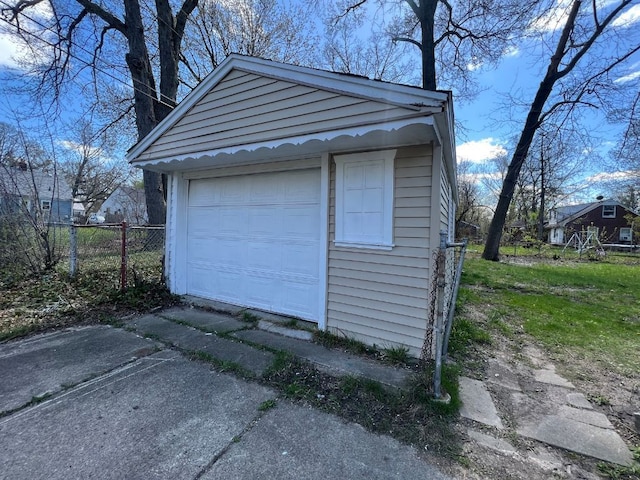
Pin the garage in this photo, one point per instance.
(254, 240)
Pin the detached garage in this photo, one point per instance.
(308, 193)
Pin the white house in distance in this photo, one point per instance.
(308, 193)
(126, 203)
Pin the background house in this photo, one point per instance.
(125, 203)
(35, 192)
(604, 218)
(308, 193)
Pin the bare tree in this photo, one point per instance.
(277, 30)
(453, 37)
(151, 36)
(32, 199)
(87, 168)
(585, 30)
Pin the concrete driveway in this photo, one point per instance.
(101, 402)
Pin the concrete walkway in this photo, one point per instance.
(551, 412)
(102, 402)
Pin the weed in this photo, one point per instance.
(291, 323)
(397, 355)
(221, 365)
(267, 405)
(600, 400)
(331, 340)
(36, 399)
(250, 317)
(619, 472)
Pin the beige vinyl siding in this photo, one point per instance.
(245, 108)
(380, 296)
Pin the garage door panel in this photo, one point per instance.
(263, 256)
(261, 291)
(300, 222)
(296, 260)
(253, 240)
(304, 187)
(265, 189)
(297, 297)
(266, 221)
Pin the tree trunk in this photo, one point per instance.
(144, 104)
(492, 246)
(427, 11)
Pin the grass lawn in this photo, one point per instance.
(590, 309)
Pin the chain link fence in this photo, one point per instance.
(448, 261)
(121, 254)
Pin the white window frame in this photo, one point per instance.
(609, 216)
(387, 158)
(45, 204)
(629, 234)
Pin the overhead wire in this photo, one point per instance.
(72, 55)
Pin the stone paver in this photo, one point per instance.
(249, 358)
(477, 404)
(578, 400)
(331, 361)
(500, 374)
(208, 321)
(585, 416)
(491, 442)
(579, 437)
(549, 375)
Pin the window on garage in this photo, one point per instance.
(364, 199)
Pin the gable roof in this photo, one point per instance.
(265, 109)
(569, 213)
(27, 182)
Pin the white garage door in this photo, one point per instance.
(253, 240)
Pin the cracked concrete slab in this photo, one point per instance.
(497, 444)
(331, 361)
(292, 442)
(549, 376)
(579, 437)
(578, 400)
(477, 404)
(188, 338)
(156, 418)
(204, 320)
(500, 374)
(585, 416)
(46, 363)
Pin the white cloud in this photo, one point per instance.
(553, 19)
(628, 17)
(93, 152)
(8, 50)
(612, 176)
(480, 151)
(628, 78)
(511, 51)
(12, 48)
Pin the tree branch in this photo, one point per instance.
(110, 19)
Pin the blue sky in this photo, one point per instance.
(489, 124)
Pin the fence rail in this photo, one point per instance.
(135, 252)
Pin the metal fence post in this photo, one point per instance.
(123, 259)
(438, 324)
(73, 250)
(454, 296)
